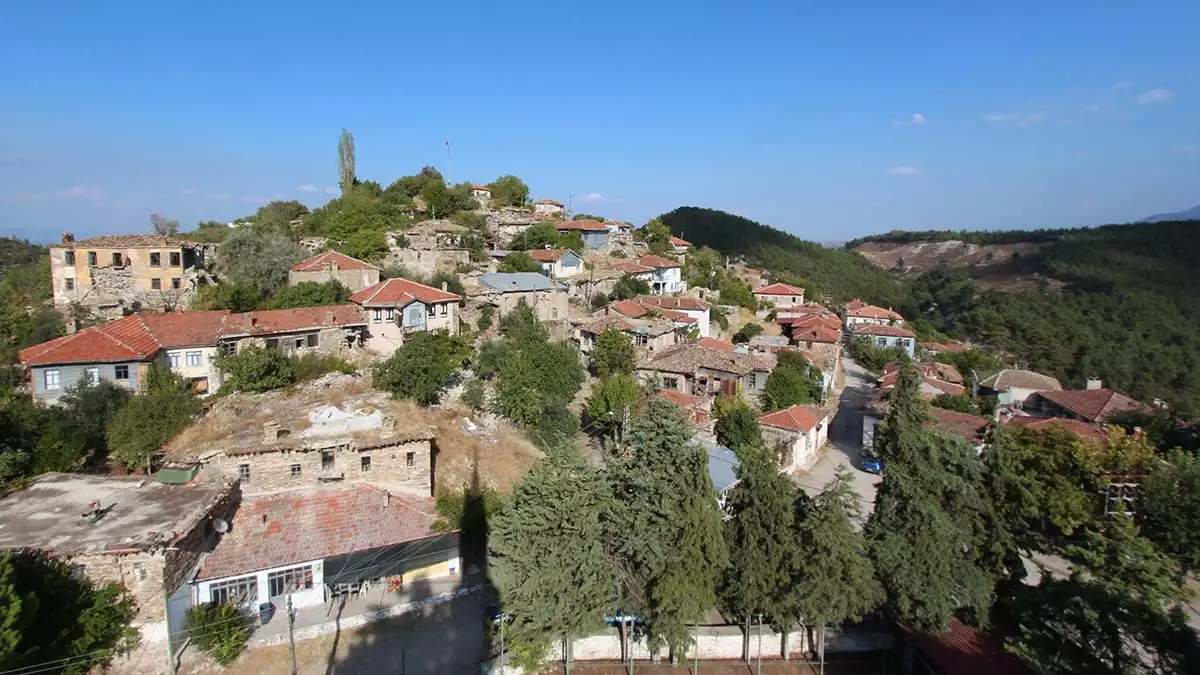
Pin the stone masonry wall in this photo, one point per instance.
(140, 573)
(389, 467)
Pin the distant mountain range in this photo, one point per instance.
(1191, 214)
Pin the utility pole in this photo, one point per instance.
(292, 630)
(696, 637)
(759, 644)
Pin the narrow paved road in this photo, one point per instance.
(845, 439)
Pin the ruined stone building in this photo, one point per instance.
(333, 266)
(118, 274)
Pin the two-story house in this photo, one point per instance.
(481, 193)
(117, 274)
(695, 369)
(397, 307)
(649, 334)
(888, 336)
(1094, 405)
(780, 296)
(859, 313)
(682, 246)
(558, 263)
(690, 307)
(333, 266)
(797, 434)
(593, 233)
(505, 290)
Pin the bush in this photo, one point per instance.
(747, 332)
(519, 261)
(419, 369)
(598, 301)
(628, 287)
(311, 366)
(220, 631)
(143, 425)
(960, 403)
(474, 395)
(485, 318)
(256, 369)
(310, 294)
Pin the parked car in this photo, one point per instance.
(871, 464)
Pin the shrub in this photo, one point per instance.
(485, 318)
(312, 365)
(748, 332)
(598, 301)
(256, 369)
(218, 630)
(474, 395)
(419, 369)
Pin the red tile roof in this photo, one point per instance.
(656, 262)
(795, 418)
(321, 261)
(1094, 405)
(635, 310)
(779, 289)
(714, 343)
(890, 331)
(807, 321)
(816, 333)
(963, 425)
(1081, 429)
(549, 254)
(873, 312)
(679, 398)
(962, 650)
(400, 292)
(582, 225)
(133, 338)
(272, 321)
(630, 308)
(301, 525)
(943, 347)
(128, 241)
(630, 267)
(938, 371)
(477, 186)
(674, 302)
(889, 380)
(676, 241)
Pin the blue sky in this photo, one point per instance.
(829, 120)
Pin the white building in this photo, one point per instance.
(888, 336)
(558, 263)
(782, 296)
(548, 207)
(797, 433)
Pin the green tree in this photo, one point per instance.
(474, 394)
(347, 178)
(702, 267)
(310, 294)
(521, 326)
(485, 318)
(364, 244)
(144, 425)
(836, 582)
(87, 409)
(613, 353)
(536, 376)
(420, 368)
(792, 381)
(557, 507)
(764, 553)
(956, 402)
(221, 630)
(1170, 508)
(737, 424)
(258, 260)
(613, 396)
(733, 291)
(277, 216)
(509, 191)
(627, 288)
(255, 368)
(747, 332)
(233, 297)
(519, 261)
(665, 525)
(658, 238)
(208, 232)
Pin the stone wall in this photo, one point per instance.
(181, 558)
(426, 261)
(389, 466)
(141, 574)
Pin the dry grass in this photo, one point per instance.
(501, 452)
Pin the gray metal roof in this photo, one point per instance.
(504, 282)
(722, 466)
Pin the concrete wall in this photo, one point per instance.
(204, 370)
(797, 450)
(272, 471)
(140, 573)
(385, 335)
(355, 280)
(70, 374)
(908, 344)
(868, 432)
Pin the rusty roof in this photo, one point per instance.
(297, 526)
(400, 292)
(801, 417)
(680, 302)
(1094, 405)
(581, 225)
(322, 261)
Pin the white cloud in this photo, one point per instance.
(1189, 150)
(1093, 109)
(1153, 96)
(592, 197)
(73, 192)
(1021, 120)
(903, 171)
(916, 118)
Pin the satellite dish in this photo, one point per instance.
(220, 525)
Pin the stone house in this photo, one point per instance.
(116, 274)
(797, 433)
(1012, 386)
(593, 233)
(694, 308)
(884, 335)
(702, 371)
(429, 246)
(144, 535)
(548, 207)
(781, 296)
(505, 290)
(333, 266)
(858, 313)
(650, 335)
(633, 309)
(697, 408)
(399, 307)
(324, 330)
(558, 263)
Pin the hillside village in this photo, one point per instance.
(320, 444)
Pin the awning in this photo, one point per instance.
(387, 561)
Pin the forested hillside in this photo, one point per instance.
(1129, 313)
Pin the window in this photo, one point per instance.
(294, 471)
(70, 284)
(240, 591)
(553, 312)
(443, 308)
(174, 358)
(671, 383)
(390, 314)
(299, 342)
(752, 380)
(244, 473)
(91, 375)
(327, 460)
(139, 571)
(639, 340)
(272, 343)
(92, 258)
(50, 378)
(156, 284)
(121, 372)
(176, 283)
(175, 259)
(69, 257)
(311, 340)
(289, 580)
(364, 462)
(116, 258)
(410, 459)
(882, 342)
(378, 316)
(155, 259)
(194, 359)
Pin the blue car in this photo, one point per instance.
(871, 464)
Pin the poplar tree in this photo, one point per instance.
(665, 526)
(346, 171)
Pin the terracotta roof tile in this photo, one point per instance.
(854, 305)
(630, 267)
(795, 418)
(938, 371)
(1094, 405)
(1081, 429)
(688, 357)
(816, 333)
(301, 525)
(872, 312)
(133, 338)
(1020, 379)
(943, 347)
(549, 254)
(272, 321)
(674, 302)
(963, 425)
(656, 262)
(714, 343)
(676, 241)
(779, 289)
(321, 261)
(890, 331)
(962, 650)
(630, 308)
(581, 225)
(399, 292)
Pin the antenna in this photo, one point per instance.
(220, 525)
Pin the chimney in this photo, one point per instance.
(248, 321)
(1094, 383)
(333, 267)
(329, 316)
(270, 432)
(445, 286)
(68, 238)
(515, 285)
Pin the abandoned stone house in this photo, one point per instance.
(796, 434)
(431, 246)
(144, 535)
(703, 371)
(333, 266)
(648, 335)
(505, 290)
(117, 274)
